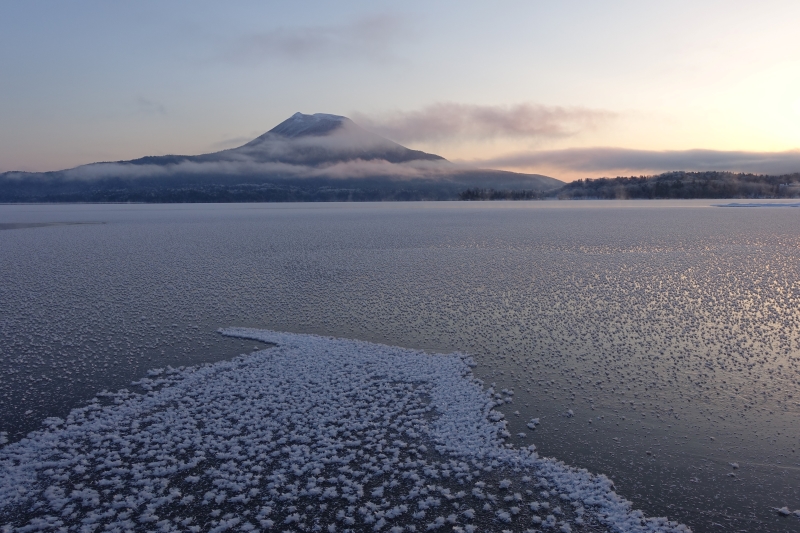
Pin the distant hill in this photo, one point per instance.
(317, 157)
(684, 185)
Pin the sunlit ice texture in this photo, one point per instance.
(668, 329)
(317, 434)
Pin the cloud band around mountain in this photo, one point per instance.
(602, 160)
(447, 121)
(243, 168)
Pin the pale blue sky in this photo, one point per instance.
(83, 81)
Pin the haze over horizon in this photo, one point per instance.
(570, 90)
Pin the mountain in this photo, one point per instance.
(305, 158)
(317, 140)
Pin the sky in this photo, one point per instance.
(571, 89)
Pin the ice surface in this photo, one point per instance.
(664, 323)
(315, 434)
(758, 204)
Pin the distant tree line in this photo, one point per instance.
(502, 194)
(244, 194)
(684, 185)
(13, 191)
(678, 185)
(671, 185)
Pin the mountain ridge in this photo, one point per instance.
(315, 154)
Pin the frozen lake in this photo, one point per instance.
(656, 342)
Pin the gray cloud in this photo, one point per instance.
(443, 121)
(647, 161)
(150, 107)
(369, 38)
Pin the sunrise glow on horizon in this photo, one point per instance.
(570, 90)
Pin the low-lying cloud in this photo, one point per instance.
(453, 121)
(607, 160)
(246, 168)
(346, 152)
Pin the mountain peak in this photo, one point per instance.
(301, 125)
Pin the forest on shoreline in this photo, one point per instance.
(683, 185)
(671, 185)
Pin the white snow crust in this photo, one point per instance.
(315, 434)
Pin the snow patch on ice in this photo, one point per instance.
(316, 433)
